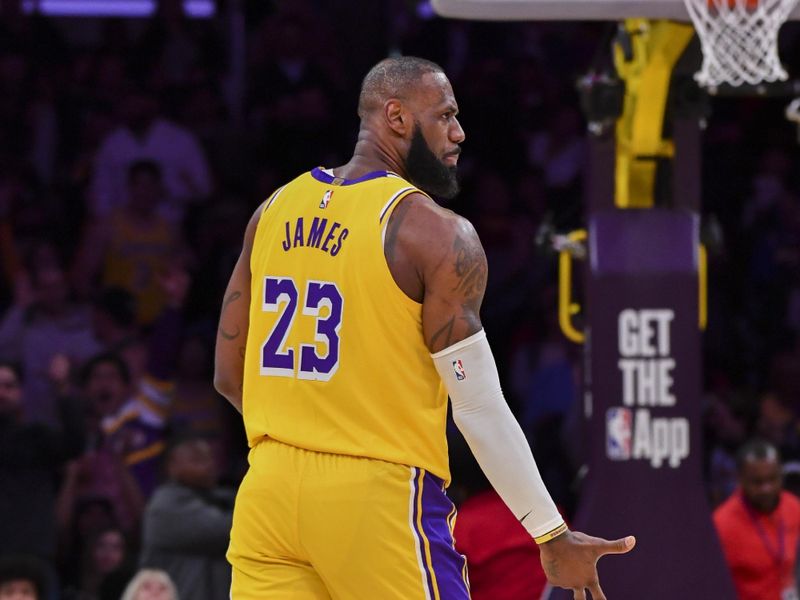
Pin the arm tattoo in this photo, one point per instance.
(393, 227)
(470, 268)
(230, 299)
(445, 333)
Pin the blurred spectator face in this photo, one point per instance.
(192, 464)
(760, 480)
(19, 589)
(139, 110)
(106, 388)
(144, 192)
(154, 588)
(93, 515)
(774, 418)
(728, 428)
(10, 392)
(108, 551)
(51, 288)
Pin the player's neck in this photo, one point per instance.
(371, 155)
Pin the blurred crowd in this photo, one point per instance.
(133, 153)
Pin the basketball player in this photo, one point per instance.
(351, 315)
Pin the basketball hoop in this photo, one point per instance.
(739, 40)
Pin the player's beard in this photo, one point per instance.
(426, 171)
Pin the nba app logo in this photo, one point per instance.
(618, 433)
(326, 199)
(458, 368)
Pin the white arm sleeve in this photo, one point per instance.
(481, 413)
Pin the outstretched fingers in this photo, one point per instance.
(620, 546)
(578, 594)
(597, 593)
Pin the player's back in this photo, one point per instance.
(335, 359)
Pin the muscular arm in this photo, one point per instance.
(436, 258)
(446, 255)
(234, 320)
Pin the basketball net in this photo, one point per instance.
(739, 40)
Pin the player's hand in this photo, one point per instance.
(570, 561)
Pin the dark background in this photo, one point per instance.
(285, 101)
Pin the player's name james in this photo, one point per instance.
(319, 234)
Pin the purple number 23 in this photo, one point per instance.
(276, 360)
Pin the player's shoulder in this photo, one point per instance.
(432, 237)
(434, 218)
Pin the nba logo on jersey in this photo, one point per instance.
(458, 368)
(618, 433)
(326, 199)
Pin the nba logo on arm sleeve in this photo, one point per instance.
(618, 433)
(458, 369)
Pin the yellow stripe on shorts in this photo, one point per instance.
(428, 559)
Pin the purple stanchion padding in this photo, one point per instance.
(642, 408)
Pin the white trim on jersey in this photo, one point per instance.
(274, 196)
(391, 201)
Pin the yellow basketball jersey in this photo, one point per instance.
(335, 359)
(135, 256)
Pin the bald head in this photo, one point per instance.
(408, 123)
(760, 475)
(390, 78)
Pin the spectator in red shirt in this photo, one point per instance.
(502, 559)
(758, 526)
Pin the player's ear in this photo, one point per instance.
(398, 119)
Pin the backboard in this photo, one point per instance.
(565, 10)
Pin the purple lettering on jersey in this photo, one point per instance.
(324, 302)
(315, 233)
(339, 242)
(287, 243)
(273, 360)
(298, 233)
(322, 294)
(331, 235)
